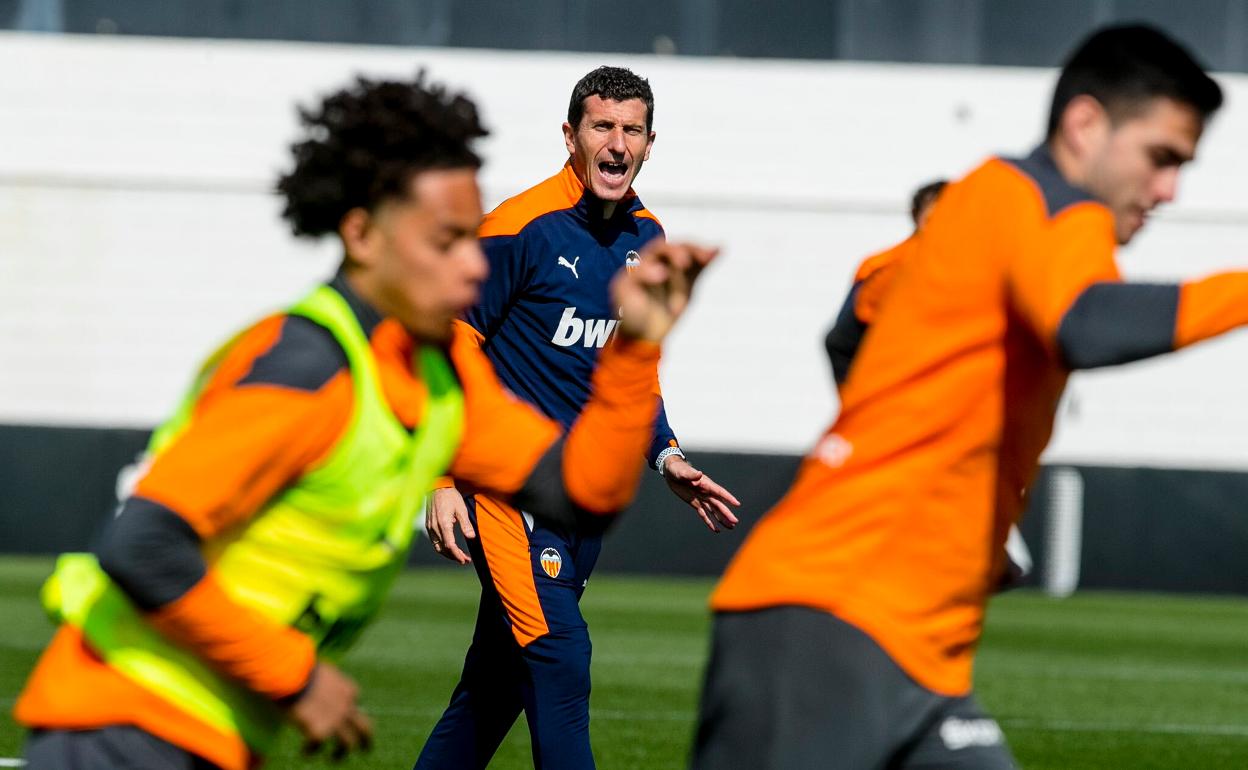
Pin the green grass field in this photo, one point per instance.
(1097, 681)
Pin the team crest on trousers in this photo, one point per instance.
(552, 562)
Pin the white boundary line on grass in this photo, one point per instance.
(12, 762)
(1164, 728)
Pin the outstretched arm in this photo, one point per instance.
(1115, 323)
(512, 450)
(1068, 290)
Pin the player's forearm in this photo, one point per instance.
(266, 657)
(1115, 323)
(153, 555)
(1210, 307)
(591, 471)
(663, 444)
(616, 424)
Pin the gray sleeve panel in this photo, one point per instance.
(151, 552)
(305, 357)
(1116, 323)
(545, 497)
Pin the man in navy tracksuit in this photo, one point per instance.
(543, 317)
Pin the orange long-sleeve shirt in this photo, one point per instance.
(897, 519)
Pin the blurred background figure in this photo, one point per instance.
(871, 280)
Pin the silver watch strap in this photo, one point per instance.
(666, 453)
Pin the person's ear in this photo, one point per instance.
(1084, 125)
(359, 236)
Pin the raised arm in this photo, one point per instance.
(1076, 300)
(512, 450)
(1114, 323)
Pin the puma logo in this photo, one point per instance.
(570, 265)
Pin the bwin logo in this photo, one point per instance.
(592, 332)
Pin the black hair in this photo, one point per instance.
(924, 197)
(614, 83)
(363, 144)
(1124, 67)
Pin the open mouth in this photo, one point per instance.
(613, 172)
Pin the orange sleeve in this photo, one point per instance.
(245, 442)
(504, 438)
(266, 657)
(1056, 261)
(1210, 307)
(614, 427)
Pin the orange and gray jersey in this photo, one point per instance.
(276, 406)
(897, 519)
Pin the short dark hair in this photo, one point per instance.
(924, 197)
(615, 83)
(1123, 67)
(363, 144)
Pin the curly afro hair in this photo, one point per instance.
(363, 144)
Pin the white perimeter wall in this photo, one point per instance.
(136, 226)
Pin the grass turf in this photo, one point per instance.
(1099, 680)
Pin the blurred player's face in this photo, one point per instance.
(417, 259)
(1133, 163)
(609, 145)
